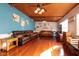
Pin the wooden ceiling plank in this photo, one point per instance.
(55, 11)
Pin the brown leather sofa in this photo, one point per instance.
(46, 33)
(24, 36)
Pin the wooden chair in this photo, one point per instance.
(67, 36)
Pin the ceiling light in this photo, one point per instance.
(42, 11)
(37, 10)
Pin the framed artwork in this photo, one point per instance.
(16, 18)
(22, 23)
(27, 22)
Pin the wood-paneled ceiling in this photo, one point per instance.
(54, 11)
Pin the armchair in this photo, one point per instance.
(67, 36)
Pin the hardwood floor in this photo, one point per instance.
(32, 48)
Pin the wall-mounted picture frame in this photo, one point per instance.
(16, 17)
(27, 22)
(22, 23)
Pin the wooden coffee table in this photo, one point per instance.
(8, 43)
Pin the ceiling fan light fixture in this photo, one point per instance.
(42, 10)
(37, 10)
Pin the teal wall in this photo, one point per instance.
(7, 24)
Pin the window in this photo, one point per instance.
(64, 25)
(77, 24)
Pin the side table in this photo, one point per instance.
(8, 43)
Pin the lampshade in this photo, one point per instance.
(42, 11)
(37, 10)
